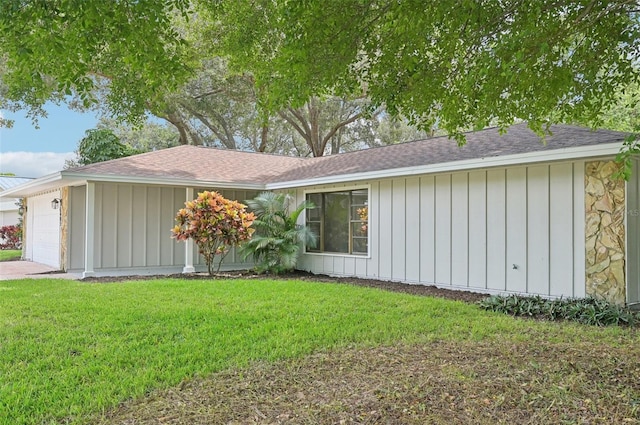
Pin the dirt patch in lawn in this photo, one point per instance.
(437, 383)
(424, 290)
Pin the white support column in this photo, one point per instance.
(89, 233)
(188, 245)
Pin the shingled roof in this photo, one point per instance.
(196, 163)
(487, 143)
(229, 166)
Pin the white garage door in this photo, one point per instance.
(43, 230)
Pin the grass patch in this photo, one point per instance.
(69, 350)
(10, 254)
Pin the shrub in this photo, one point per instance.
(10, 237)
(590, 310)
(215, 223)
(276, 242)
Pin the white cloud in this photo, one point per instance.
(33, 164)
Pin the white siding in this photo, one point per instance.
(43, 230)
(496, 212)
(478, 229)
(412, 230)
(133, 229)
(468, 230)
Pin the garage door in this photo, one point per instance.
(43, 230)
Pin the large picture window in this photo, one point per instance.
(341, 220)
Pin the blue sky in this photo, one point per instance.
(31, 152)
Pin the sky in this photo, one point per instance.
(28, 151)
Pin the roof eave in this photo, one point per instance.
(563, 154)
(40, 184)
(162, 181)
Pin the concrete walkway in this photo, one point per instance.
(10, 270)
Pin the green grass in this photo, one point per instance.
(10, 254)
(69, 350)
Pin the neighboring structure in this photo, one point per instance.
(8, 206)
(503, 214)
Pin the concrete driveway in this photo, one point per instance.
(30, 270)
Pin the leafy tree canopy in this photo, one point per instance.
(459, 64)
(455, 65)
(52, 49)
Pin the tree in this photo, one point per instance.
(54, 49)
(148, 136)
(215, 223)
(99, 145)
(458, 64)
(276, 243)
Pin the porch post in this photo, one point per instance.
(89, 233)
(188, 245)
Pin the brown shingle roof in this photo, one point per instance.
(196, 163)
(480, 144)
(229, 166)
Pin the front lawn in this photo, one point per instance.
(10, 254)
(72, 351)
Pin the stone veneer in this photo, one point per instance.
(64, 226)
(604, 232)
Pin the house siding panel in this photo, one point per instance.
(125, 228)
(516, 255)
(473, 227)
(412, 230)
(561, 229)
(443, 229)
(460, 230)
(398, 229)
(139, 228)
(106, 235)
(496, 230)
(538, 214)
(478, 229)
(427, 229)
(384, 229)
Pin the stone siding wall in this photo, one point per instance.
(605, 232)
(64, 226)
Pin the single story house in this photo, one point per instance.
(9, 215)
(503, 214)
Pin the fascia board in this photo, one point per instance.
(162, 181)
(573, 153)
(36, 185)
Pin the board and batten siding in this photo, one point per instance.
(633, 235)
(133, 229)
(517, 229)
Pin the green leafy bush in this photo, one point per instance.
(278, 237)
(590, 310)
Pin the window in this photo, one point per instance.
(341, 221)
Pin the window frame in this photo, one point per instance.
(350, 223)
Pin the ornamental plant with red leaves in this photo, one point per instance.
(10, 237)
(215, 223)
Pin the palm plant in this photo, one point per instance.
(276, 243)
